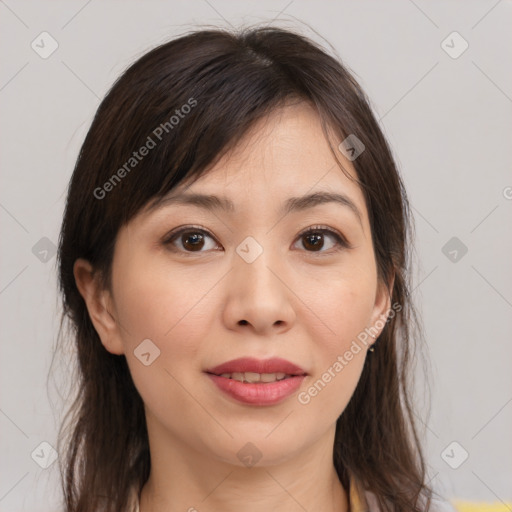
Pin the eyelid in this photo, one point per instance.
(188, 227)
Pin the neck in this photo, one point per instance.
(182, 478)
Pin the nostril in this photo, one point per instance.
(243, 322)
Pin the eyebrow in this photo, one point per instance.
(293, 204)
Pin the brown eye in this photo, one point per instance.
(190, 240)
(314, 240)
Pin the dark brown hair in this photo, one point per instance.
(229, 80)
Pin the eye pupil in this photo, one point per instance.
(197, 241)
(317, 242)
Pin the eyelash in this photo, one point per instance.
(340, 240)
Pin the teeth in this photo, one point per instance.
(252, 377)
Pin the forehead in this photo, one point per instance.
(283, 155)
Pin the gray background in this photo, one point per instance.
(447, 119)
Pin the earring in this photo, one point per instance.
(371, 348)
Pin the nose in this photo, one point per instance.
(258, 298)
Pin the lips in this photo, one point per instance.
(257, 382)
(252, 365)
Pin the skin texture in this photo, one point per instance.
(298, 303)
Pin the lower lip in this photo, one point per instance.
(267, 393)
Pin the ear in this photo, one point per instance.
(99, 305)
(382, 304)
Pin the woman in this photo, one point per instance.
(233, 259)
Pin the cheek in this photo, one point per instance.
(166, 309)
(343, 308)
(153, 302)
(339, 356)
(338, 319)
(172, 309)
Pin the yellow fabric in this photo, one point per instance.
(466, 506)
(356, 498)
(359, 500)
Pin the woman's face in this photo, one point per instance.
(248, 282)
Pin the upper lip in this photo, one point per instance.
(250, 364)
